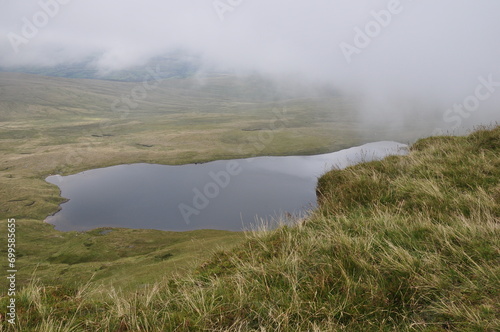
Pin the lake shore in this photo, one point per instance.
(235, 193)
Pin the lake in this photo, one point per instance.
(226, 194)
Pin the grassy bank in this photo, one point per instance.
(126, 258)
(52, 125)
(405, 244)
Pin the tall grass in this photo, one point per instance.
(405, 244)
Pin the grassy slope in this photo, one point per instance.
(407, 243)
(53, 125)
(127, 258)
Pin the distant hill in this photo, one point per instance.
(177, 64)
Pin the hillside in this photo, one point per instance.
(410, 243)
(175, 64)
(54, 125)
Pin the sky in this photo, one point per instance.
(404, 57)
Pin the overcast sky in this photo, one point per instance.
(427, 50)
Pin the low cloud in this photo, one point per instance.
(425, 57)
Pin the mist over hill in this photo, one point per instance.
(403, 244)
(171, 65)
(404, 60)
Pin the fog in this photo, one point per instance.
(402, 58)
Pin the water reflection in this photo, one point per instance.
(226, 195)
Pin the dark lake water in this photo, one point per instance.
(227, 195)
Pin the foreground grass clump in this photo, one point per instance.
(405, 244)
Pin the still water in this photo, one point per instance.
(227, 194)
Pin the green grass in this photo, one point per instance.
(126, 258)
(52, 125)
(410, 243)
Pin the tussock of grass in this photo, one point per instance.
(405, 244)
